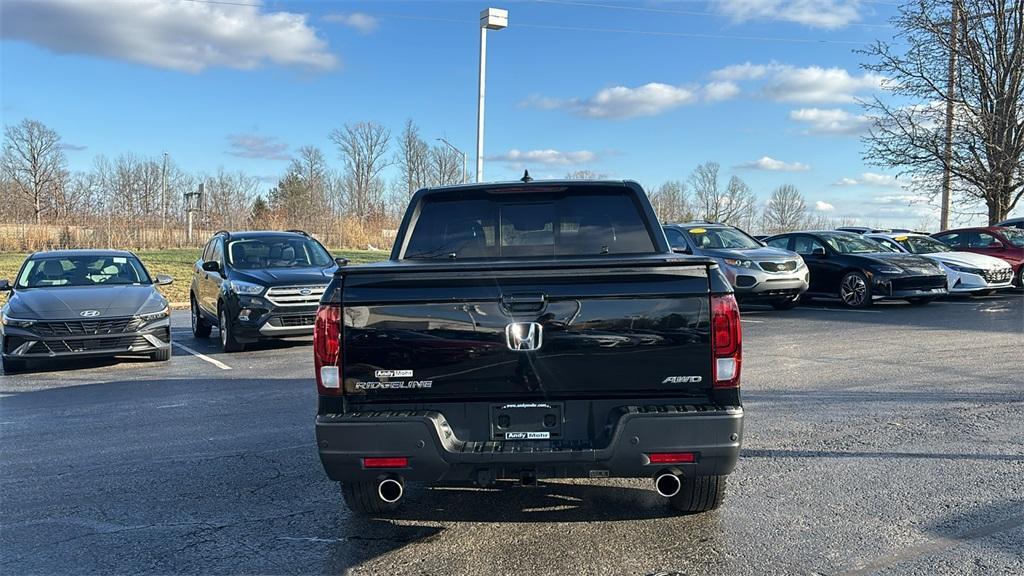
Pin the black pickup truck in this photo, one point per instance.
(529, 330)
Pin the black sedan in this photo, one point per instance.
(859, 270)
(83, 303)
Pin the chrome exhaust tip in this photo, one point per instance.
(390, 490)
(667, 484)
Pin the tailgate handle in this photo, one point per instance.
(524, 302)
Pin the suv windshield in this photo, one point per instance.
(1014, 236)
(850, 243)
(532, 224)
(52, 272)
(721, 238)
(921, 244)
(277, 252)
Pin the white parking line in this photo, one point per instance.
(752, 321)
(216, 363)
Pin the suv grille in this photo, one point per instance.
(787, 266)
(999, 275)
(87, 327)
(297, 320)
(296, 295)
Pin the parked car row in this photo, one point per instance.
(857, 265)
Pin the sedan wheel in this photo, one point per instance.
(854, 290)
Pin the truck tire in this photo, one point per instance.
(362, 498)
(162, 355)
(227, 337)
(200, 327)
(699, 494)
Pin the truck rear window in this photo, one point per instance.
(529, 225)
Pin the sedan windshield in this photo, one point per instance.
(279, 252)
(922, 244)
(82, 271)
(722, 238)
(852, 244)
(1014, 236)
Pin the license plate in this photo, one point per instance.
(526, 421)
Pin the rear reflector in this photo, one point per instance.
(397, 462)
(671, 457)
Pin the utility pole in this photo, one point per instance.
(947, 159)
(490, 19)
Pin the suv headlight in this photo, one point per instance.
(16, 322)
(888, 269)
(244, 288)
(739, 263)
(149, 317)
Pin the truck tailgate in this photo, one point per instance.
(637, 329)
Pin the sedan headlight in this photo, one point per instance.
(739, 263)
(964, 269)
(244, 288)
(150, 316)
(16, 322)
(887, 269)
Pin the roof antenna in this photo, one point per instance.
(526, 177)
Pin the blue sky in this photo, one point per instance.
(640, 90)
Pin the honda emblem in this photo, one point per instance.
(524, 336)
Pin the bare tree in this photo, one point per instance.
(413, 158)
(672, 203)
(986, 160)
(34, 163)
(445, 166)
(785, 211)
(735, 205)
(584, 175)
(363, 147)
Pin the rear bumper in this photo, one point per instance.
(435, 454)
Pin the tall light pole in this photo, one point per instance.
(490, 19)
(460, 153)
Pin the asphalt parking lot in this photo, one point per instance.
(881, 441)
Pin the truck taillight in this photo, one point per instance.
(327, 350)
(726, 341)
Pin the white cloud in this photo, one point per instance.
(822, 206)
(256, 146)
(835, 121)
(546, 157)
(812, 84)
(720, 90)
(771, 164)
(174, 34)
(900, 199)
(828, 14)
(870, 179)
(623, 102)
(360, 21)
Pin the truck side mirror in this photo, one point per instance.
(211, 266)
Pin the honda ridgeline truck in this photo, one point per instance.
(529, 330)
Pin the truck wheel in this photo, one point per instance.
(699, 494)
(787, 304)
(200, 327)
(855, 291)
(363, 499)
(227, 338)
(162, 355)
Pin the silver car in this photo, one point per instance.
(757, 272)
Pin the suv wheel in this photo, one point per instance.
(200, 327)
(227, 338)
(699, 494)
(855, 291)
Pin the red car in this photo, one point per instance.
(1005, 243)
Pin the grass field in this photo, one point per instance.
(178, 263)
